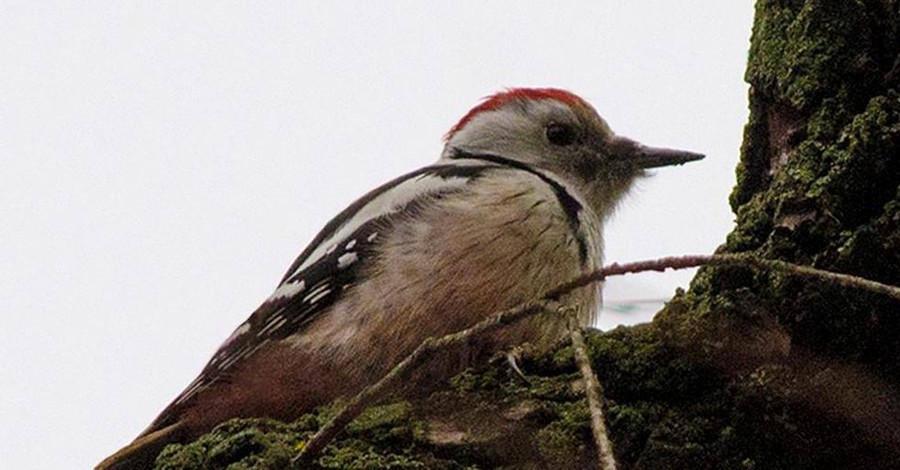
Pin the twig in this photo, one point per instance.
(606, 459)
(693, 261)
(547, 302)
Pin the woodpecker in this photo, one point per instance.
(514, 206)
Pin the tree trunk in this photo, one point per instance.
(747, 369)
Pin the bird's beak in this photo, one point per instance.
(637, 155)
(653, 157)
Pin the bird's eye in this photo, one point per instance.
(560, 134)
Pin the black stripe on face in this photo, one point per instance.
(570, 206)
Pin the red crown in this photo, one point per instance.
(497, 100)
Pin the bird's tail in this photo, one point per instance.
(142, 452)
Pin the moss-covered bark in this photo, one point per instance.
(747, 369)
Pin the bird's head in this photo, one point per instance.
(556, 131)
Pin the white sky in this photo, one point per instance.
(162, 163)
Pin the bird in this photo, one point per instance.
(514, 206)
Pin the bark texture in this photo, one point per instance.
(747, 369)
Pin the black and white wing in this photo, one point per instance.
(330, 265)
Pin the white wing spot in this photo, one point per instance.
(245, 327)
(350, 245)
(317, 295)
(316, 290)
(273, 324)
(288, 289)
(234, 358)
(371, 238)
(346, 260)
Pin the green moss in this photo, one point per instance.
(384, 424)
(564, 440)
(366, 457)
(875, 247)
(805, 53)
(238, 444)
(812, 65)
(863, 170)
(469, 381)
(754, 226)
(265, 444)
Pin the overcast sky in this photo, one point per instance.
(162, 164)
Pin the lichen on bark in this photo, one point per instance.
(746, 369)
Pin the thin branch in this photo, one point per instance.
(606, 459)
(548, 302)
(693, 261)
